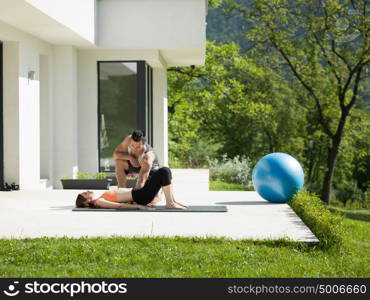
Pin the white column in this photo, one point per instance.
(65, 129)
(29, 117)
(160, 112)
(46, 125)
(11, 111)
(87, 106)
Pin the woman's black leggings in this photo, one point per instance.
(145, 195)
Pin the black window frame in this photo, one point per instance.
(149, 72)
(144, 96)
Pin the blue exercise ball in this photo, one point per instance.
(277, 177)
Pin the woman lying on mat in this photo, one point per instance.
(135, 198)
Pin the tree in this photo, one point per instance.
(244, 108)
(326, 48)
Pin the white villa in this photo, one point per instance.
(78, 75)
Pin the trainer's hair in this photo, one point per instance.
(80, 201)
(138, 136)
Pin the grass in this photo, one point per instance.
(351, 214)
(185, 257)
(188, 257)
(217, 185)
(325, 225)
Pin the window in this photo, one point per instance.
(124, 104)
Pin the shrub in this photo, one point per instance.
(216, 185)
(232, 170)
(174, 162)
(195, 157)
(325, 225)
(83, 175)
(350, 196)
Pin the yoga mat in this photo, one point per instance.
(195, 208)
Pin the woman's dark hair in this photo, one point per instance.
(138, 136)
(80, 201)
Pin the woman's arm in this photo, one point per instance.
(102, 203)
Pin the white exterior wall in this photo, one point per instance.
(24, 149)
(160, 115)
(65, 110)
(70, 87)
(11, 111)
(88, 102)
(79, 16)
(176, 27)
(46, 120)
(151, 24)
(22, 106)
(44, 135)
(87, 106)
(29, 116)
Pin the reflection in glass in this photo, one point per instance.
(118, 107)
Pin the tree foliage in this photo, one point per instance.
(231, 102)
(326, 49)
(299, 89)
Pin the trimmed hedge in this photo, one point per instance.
(325, 225)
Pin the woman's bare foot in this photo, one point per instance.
(184, 206)
(154, 202)
(175, 205)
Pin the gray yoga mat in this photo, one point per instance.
(195, 208)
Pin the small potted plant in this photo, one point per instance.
(87, 181)
(130, 180)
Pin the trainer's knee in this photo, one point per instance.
(121, 165)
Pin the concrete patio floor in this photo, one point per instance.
(35, 213)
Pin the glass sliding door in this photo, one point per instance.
(123, 105)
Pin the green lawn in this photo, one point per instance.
(352, 214)
(187, 257)
(216, 185)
